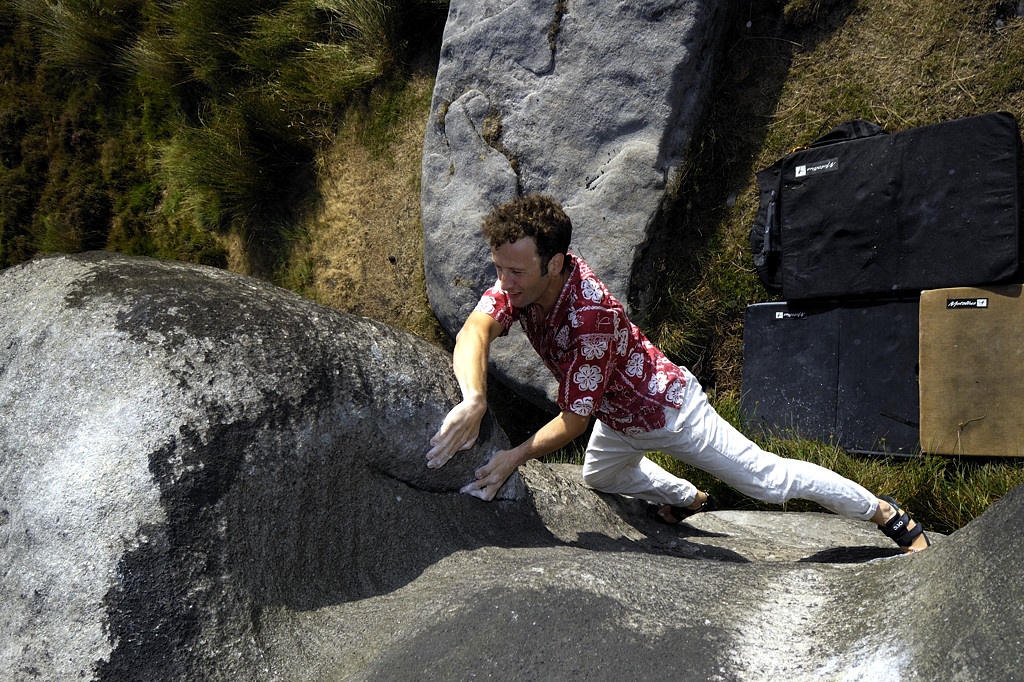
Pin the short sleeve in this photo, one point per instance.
(494, 302)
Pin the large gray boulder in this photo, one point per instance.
(592, 102)
(183, 447)
(203, 477)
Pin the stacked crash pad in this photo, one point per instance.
(850, 232)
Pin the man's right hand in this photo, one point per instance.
(458, 431)
(460, 428)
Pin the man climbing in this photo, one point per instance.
(606, 368)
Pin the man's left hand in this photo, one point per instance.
(491, 476)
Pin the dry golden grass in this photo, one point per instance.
(363, 246)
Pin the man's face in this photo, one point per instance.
(519, 270)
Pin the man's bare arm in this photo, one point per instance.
(461, 426)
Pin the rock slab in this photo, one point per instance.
(181, 447)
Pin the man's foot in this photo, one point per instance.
(672, 515)
(897, 525)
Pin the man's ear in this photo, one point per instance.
(556, 263)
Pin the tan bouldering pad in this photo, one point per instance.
(972, 371)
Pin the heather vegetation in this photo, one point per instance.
(182, 130)
(282, 138)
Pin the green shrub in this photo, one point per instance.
(83, 35)
(224, 104)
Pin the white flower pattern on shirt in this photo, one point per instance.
(675, 393)
(583, 406)
(593, 349)
(657, 384)
(635, 366)
(588, 377)
(562, 338)
(486, 305)
(592, 290)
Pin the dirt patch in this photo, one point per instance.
(364, 251)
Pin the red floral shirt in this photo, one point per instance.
(603, 364)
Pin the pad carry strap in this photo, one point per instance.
(851, 130)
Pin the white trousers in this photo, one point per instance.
(697, 435)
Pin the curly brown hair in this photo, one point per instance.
(535, 215)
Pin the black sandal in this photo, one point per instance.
(680, 513)
(898, 527)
